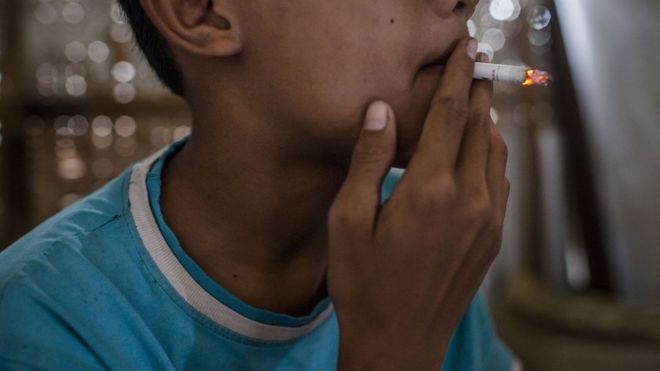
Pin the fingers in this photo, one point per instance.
(498, 185)
(472, 161)
(489, 241)
(441, 137)
(353, 213)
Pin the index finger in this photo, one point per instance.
(441, 136)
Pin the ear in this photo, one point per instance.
(201, 27)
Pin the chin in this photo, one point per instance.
(403, 156)
(410, 124)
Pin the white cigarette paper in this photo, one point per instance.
(516, 74)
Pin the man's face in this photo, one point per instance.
(318, 64)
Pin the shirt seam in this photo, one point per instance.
(193, 313)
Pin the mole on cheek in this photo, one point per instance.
(391, 20)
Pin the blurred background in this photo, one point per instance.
(576, 285)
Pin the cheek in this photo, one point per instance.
(322, 88)
(328, 87)
(340, 53)
(339, 116)
(327, 104)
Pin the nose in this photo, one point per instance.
(466, 8)
(461, 8)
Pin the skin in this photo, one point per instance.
(278, 182)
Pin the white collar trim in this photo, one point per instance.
(183, 282)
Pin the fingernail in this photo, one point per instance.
(376, 117)
(472, 48)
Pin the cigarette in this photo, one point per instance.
(516, 74)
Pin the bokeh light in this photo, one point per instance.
(71, 168)
(124, 93)
(102, 126)
(123, 72)
(75, 51)
(125, 126)
(45, 13)
(503, 10)
(539, 17)
(73, 12)
(76, 85)
(495, 38)
(98, 51)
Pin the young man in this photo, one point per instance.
(261, 241)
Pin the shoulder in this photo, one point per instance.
(35, 334)
(61, 283)
(67, 230)
(68, 256)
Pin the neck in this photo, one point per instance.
(252, 214)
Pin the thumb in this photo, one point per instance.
(373, 154)
(374, 151)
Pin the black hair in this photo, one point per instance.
(154, 46)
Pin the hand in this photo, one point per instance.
(401, 277)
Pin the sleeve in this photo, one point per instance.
(33, 336)
(475, 346)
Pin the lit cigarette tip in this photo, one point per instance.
(538, 78)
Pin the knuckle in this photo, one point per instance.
(476, 192)
(478, 210)
(481, 119)
(342, 217)
(447, 186)
(371, 154)
(435, 193)
(441, 191)
(498, 143)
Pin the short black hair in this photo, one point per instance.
(154, 46)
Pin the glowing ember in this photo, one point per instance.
(538, 78)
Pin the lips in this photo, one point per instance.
(436, 59)
(433, 66)
(435, 63)
(432, 70)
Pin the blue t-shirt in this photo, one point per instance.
(105, 284)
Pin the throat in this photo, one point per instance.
(258, 247)
(292, 284)
(295, 292)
